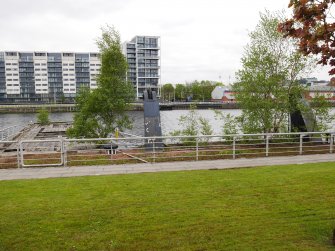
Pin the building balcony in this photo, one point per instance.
(150, 76)
(147, 86)
(148, 46)
(149, 66)
(131, 46)
(150, 57)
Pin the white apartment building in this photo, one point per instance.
(46, 76)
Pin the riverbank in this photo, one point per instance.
(54, 108)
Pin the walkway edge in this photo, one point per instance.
(57, 172)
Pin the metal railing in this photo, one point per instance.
(9, 154)
(130, 150)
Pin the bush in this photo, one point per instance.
(43, 117)
(193, 125)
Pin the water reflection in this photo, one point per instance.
(169, 119)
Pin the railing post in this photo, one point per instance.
(18, 155)
(62, 149)
(267, 146)
(300, 144)
(154, 150)
(234, 147)
(21, 154)
(197, 148)
(331, 143)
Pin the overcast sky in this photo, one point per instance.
(200, 39)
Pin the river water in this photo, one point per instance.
(169, 119)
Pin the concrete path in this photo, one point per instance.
(54, 172)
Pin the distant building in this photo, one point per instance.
(223, 94)
(46, 76)
(326, 91)
(218, 93)
(314, 82)
(143, 56)
(50, 77)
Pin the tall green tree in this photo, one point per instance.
(102, 110)
(196, 90)
(167, 92)
(180, 92)
(199, 90)
(268, 81)
(206, 88)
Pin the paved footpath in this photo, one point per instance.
(54, 172)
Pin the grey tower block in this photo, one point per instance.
(152, 120)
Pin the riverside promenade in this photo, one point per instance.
(57, 172)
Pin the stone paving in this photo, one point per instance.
(55, 172)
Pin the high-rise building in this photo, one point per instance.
(45, 76)
(143, 56)
(51, 77)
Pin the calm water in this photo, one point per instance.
(169, 119)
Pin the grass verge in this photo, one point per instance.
(270, 208)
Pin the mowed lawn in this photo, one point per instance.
(268, 208)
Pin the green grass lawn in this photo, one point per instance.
(268, 208)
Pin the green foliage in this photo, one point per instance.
(102, 110)
(167, 92)
(43, 116)
(198, 90)
(321, 108)
(202, 90)
(192, 125)
(268, 81)
(180, 92)
(230, 125)
(205, 127)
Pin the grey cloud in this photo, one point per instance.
(200, 39)
(83, 9)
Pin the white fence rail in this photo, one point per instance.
(126, 150)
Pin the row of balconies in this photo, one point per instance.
(148, 46)
(147, 55)
(130, 46)
(142, 75)
(148, 66)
